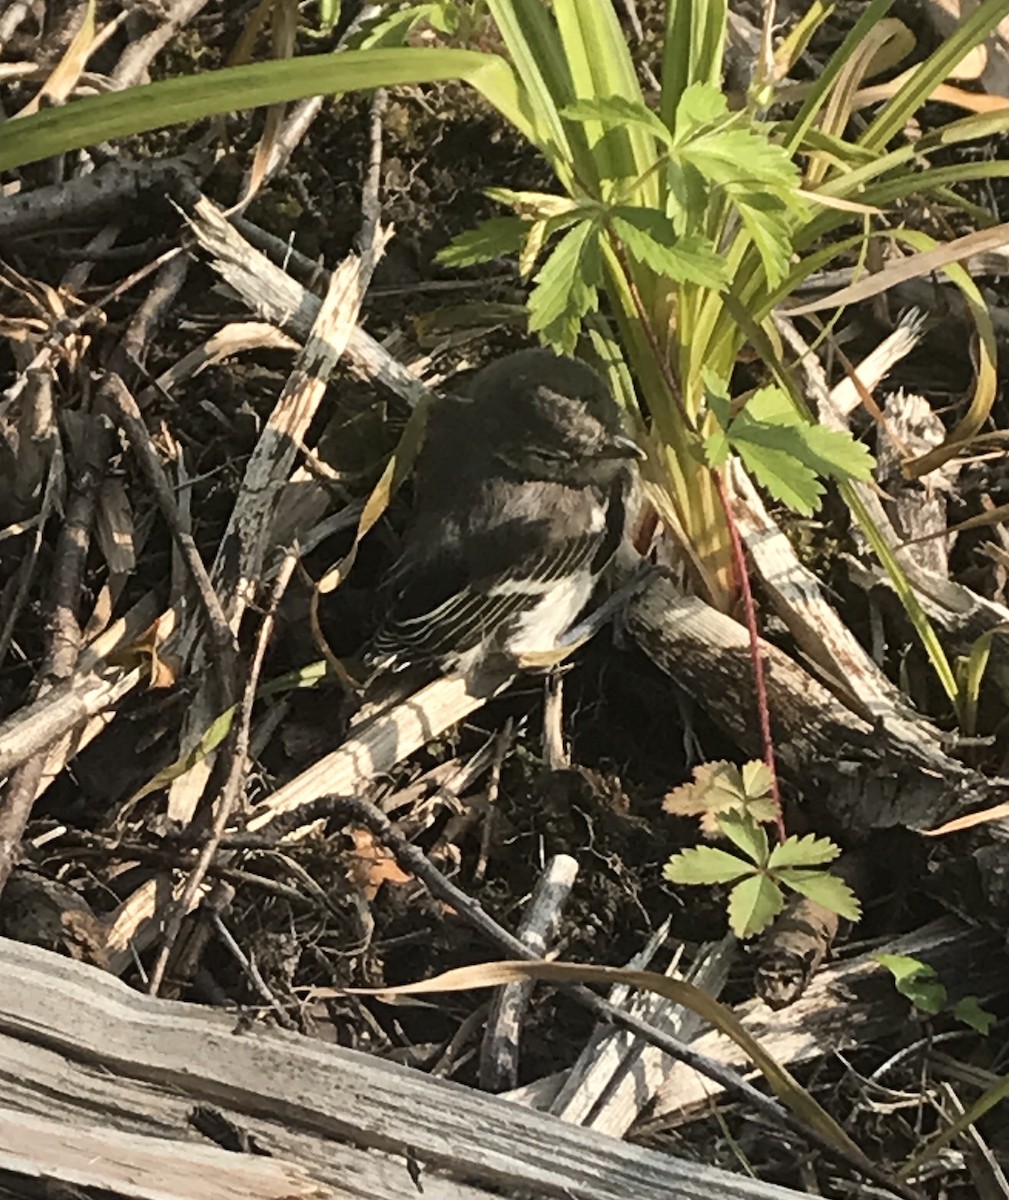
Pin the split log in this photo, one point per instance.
(128, 1079)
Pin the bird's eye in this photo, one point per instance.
(555, 455)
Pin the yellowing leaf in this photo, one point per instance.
(720, 787)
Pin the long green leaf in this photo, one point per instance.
(531, 38)
(816, 98)
(692, 51)
(192, 97)
(601, 67)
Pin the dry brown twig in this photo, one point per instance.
(89, 456)
(231, 793)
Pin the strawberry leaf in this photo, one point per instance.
(808, 851)
(824, 888)
(753, 905)
(746, 834)
(705, 864)
(565, 288)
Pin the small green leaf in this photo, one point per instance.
(808, 851)
(745, 833)
(970, 1012)
(824, 888)
(782, 474)
(562, 295)
(491, 239)
(765, 220)
(705, 864)
(753, 905)
(701, 104)
(617, 110)
(835, 452)
(651, 240)
(772, 406)
(915, 980)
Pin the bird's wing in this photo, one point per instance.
(442, 610)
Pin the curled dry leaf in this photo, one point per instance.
(164, 669)
(370, 864)
(721, 787)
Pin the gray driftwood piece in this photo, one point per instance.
(99, 1083)
(875, 775)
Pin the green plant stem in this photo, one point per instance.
(676, 395)
(738, 556)
(756, 657)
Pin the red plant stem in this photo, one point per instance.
(759, 679)
(738, 555)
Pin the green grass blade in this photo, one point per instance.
(601, 66)
(817, 97)
(693, 48)
(193, 97)
(905, 593)
(537, 55)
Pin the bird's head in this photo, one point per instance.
(553, 418)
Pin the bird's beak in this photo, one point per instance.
(622, 447)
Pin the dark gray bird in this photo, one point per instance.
(520, 503)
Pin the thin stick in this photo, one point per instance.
(127, 415)
(233, 786)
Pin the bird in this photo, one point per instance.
(521, 491)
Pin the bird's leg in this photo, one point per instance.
(611, 607)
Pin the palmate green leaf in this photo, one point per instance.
(617, 110)
(701, 104)
(650, 240)
(915, 980)
(824, 888)
(785, 453)
(784, 476)
(741, 156)
(496, 238)
(705, 864)
(745, 833)
(768, 222)
(753, 905)
(566, 288)
(808, 851)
